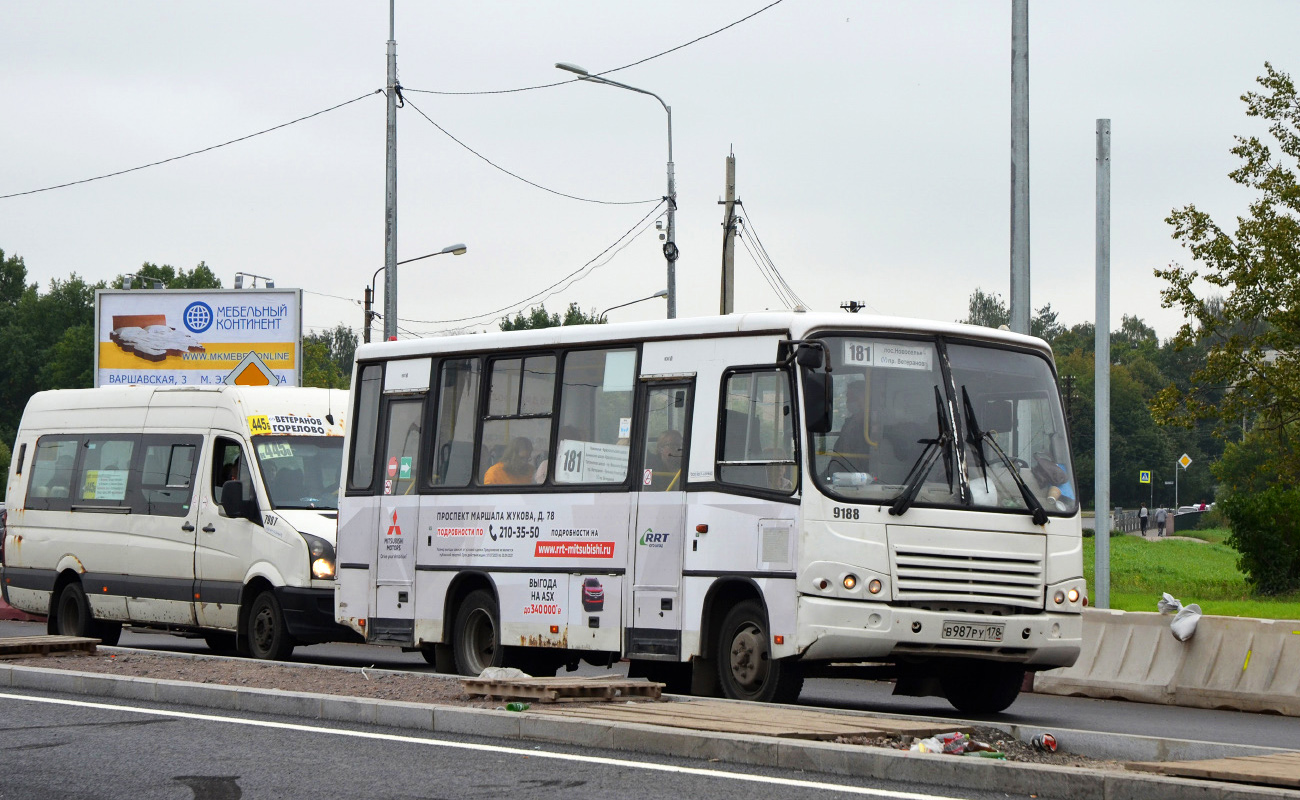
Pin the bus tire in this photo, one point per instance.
(746, 669)
(476, 634)
(72, 615)
(268, 636)
(981, 687)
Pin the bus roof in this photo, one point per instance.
(796, 325)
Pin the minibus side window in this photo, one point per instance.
(756, 435)
(402, 445)
(596, 396)
(230, 463)
(453, 449)
(166, 478)
(361, 474)
(105, 471)
(50, 487)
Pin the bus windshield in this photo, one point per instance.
(897, 437)
(301, 471)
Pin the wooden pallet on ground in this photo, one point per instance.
(757, 719)
(23, 646)
(1275, 769)
(548, 690)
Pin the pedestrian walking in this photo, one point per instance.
(1142, 518)
(1161, 516)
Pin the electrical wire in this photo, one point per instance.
(351, 300)
(608, 71)
(749, 225)
(762, 270)
(559, 285)
(194, 153)
(518, 177)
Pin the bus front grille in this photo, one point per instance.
(951, 569)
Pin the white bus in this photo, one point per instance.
(210, 512)
(730, 503)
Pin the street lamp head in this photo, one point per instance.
(455, 249)
(574, 68)
(660, 293)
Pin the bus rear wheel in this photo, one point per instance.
(476, 634)
(73, 617)
(981, 687)
(746, 669)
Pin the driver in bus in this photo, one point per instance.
(853, 439)
(515, 466)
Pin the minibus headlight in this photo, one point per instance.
(320, 557)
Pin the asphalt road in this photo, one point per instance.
(72, 747)
(1048, 711)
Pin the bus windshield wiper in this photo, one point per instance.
(977, 438)
(924, 463)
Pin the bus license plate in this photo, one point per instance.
(973, 632)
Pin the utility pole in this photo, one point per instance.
(1020, 166)
(390, 203)
(1101, 361)
(369, 315)
(727, 302)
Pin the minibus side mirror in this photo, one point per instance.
(232, 498)
(809, 357)
(818, 390)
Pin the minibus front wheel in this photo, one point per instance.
(746, 669)
(476, 635)
(268, 636)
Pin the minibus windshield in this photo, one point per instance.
(301, 471)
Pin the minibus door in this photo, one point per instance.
(397, 524)
(659, 535)
(225, 544)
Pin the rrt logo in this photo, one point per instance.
(652, 539)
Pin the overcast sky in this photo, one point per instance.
(872, 142)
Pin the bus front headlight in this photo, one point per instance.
(320, 557)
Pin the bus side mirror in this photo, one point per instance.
(809, 357)
(232, 498)
(817, 393)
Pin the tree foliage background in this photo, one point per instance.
(1244, 336)
(538, 318)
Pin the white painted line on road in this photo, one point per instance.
(489, 748)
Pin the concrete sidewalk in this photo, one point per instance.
(813, 756)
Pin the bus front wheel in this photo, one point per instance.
(73, 617)
(981, 687)
(746, 669)
(476, 635)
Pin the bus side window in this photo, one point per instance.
(517, 429)
(756, 443)
(361, 473)
(596, 397)
(453, 449)
(166, 479)
(50, 487)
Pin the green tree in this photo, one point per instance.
(201, 277)
(538, 318)
(989, 310)
(327, 357)
(1250, 334)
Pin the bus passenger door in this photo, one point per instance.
(397, 525)
(655, 631)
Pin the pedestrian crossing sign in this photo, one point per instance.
(1144, 476)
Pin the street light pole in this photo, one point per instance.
(454, 249)
(670, 246)
(660, 293)
(390, 204)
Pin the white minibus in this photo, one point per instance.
(731, 503)
(206, 511)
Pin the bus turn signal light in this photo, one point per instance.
(1074, 595)
(850, 582)
(874, 586)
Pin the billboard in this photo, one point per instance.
(195, 337)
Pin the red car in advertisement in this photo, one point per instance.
(593, 595)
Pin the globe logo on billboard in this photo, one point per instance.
(197, 317)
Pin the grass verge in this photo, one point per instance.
(1195, 572)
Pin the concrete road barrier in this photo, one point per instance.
(1231, 662)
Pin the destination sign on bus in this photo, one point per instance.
(889, 355)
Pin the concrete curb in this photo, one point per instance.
(825, 757)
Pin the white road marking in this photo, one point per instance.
(489, 748)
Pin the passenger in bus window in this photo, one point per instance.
(515, 466)
(853, 435)
(666, 460)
